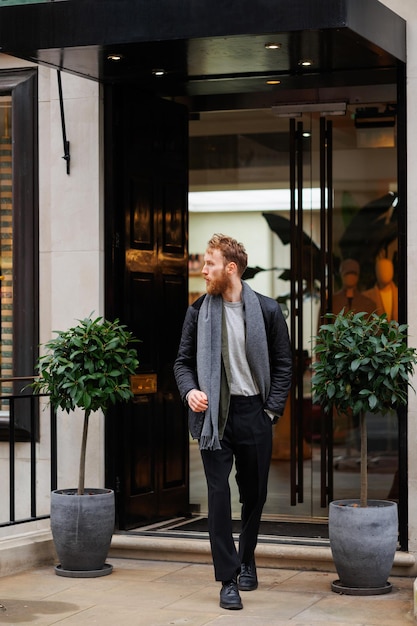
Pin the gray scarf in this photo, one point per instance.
(209, 350)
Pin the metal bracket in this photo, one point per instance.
(67, 155)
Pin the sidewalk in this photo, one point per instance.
(160, 593)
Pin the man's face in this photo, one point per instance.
(214, 272)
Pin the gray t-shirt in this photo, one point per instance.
(241, 382)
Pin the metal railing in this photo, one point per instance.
(22, 451)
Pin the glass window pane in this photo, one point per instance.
(6, 242)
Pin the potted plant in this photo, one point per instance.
(88, 367)
(363, 366)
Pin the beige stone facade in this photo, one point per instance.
(72, 253)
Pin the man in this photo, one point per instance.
(233, 369)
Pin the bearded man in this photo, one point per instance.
(233, 370)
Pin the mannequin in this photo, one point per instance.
(385, 291)
(349, 297)
(385, 294)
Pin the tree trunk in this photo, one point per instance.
(364, 460)
(81, 475)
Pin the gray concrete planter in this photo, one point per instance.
(82, 528)
(363, 541)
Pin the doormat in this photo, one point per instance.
(277, 529)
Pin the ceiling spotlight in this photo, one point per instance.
(115, 57)
(273, 82)
(273, 45)
(158, 72)
(305, 62)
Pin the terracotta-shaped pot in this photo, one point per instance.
(363, 541)
(82, 528)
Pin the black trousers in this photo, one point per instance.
(248, 440)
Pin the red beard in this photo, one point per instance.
(218, 286)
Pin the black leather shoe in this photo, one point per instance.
(248, 580)
(229, 595)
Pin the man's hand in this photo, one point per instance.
(197, 401)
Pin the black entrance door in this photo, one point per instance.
(146, 284)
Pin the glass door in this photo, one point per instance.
(363, 276)
(344, 256)
(294, 189)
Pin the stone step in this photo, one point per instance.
(278, 555)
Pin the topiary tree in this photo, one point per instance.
(87, 366)
(363, 366)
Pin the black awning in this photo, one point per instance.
(203, 45)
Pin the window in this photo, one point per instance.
(6, 242)
(19, 249)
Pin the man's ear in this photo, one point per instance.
(231, 267)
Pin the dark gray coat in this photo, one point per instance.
(279, 356)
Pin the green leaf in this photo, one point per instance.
(331, 389)
(394, 370)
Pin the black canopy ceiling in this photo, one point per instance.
(211, 47)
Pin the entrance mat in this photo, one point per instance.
(277, 529)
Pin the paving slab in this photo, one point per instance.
(164, 593)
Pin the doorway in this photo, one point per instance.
(146, 266)
(309, 192)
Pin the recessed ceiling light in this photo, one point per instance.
(273, 82)
(305, 62)
(158, 72)
(115, 57)
(272, 45)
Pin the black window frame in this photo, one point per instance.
(22, 85)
